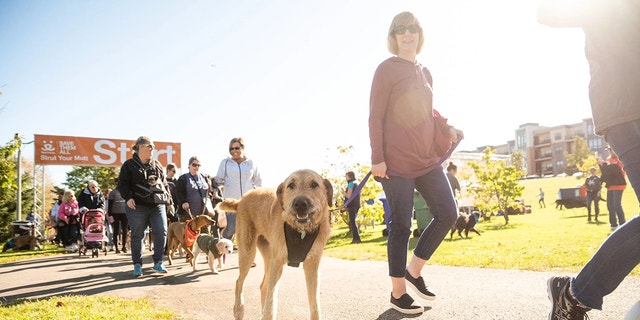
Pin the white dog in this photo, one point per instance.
(214, 248)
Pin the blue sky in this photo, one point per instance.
(291, 77)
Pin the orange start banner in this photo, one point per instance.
(81, 151)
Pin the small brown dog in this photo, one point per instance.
(288, 225)
(25, 242)
(176, 235)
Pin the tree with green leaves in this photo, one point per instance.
(517, 160)
(342, 161)
(9, 187)
(496, 187)
(577, 157)
(79, 176)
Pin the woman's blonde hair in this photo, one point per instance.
(403, 19)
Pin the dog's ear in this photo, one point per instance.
(329, 189)
(279, 192)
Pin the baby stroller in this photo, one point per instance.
(92, 233)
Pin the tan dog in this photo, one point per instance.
(299, 208)
(214, 248)
(25, 242)
(176, 235)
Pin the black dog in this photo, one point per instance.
(466, 223)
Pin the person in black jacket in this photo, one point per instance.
(137, 174)
(91, 197)
(172, 180)
(192, 189)
(615, 181)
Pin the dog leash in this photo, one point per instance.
(357, 190)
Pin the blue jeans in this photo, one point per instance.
(614, 205)
(142, 217)
(230, 230)
(435, 189)
(620, 252)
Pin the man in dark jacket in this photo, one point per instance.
(593, 185)
(91, 197)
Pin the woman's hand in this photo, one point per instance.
(380, 170)
(131, 204)
(185, 206)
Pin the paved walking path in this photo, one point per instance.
(349, 289)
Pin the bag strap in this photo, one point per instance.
(357, 189)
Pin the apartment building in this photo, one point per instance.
(544, 147)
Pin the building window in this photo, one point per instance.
(595, 143)
(557, 136)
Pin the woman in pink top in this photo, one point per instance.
(69, 215)
(403, 158)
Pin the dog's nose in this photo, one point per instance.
(301, 204)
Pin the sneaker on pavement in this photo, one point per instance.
(563, 305)
(405, 304)
(418, 286)
(137, 270)
(158, 267)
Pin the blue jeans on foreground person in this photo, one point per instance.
(614, 205)
(156, 218)
(435, 189)
(619, 254)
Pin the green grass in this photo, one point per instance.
(49, 250)
(79, 307)
(546, 240)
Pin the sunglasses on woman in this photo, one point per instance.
(413, 28)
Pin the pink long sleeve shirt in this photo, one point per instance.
(401, 124)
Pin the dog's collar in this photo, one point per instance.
(298, 244)
(190, 235)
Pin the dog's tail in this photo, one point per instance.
(229, 205)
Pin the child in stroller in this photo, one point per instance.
(93, 233)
